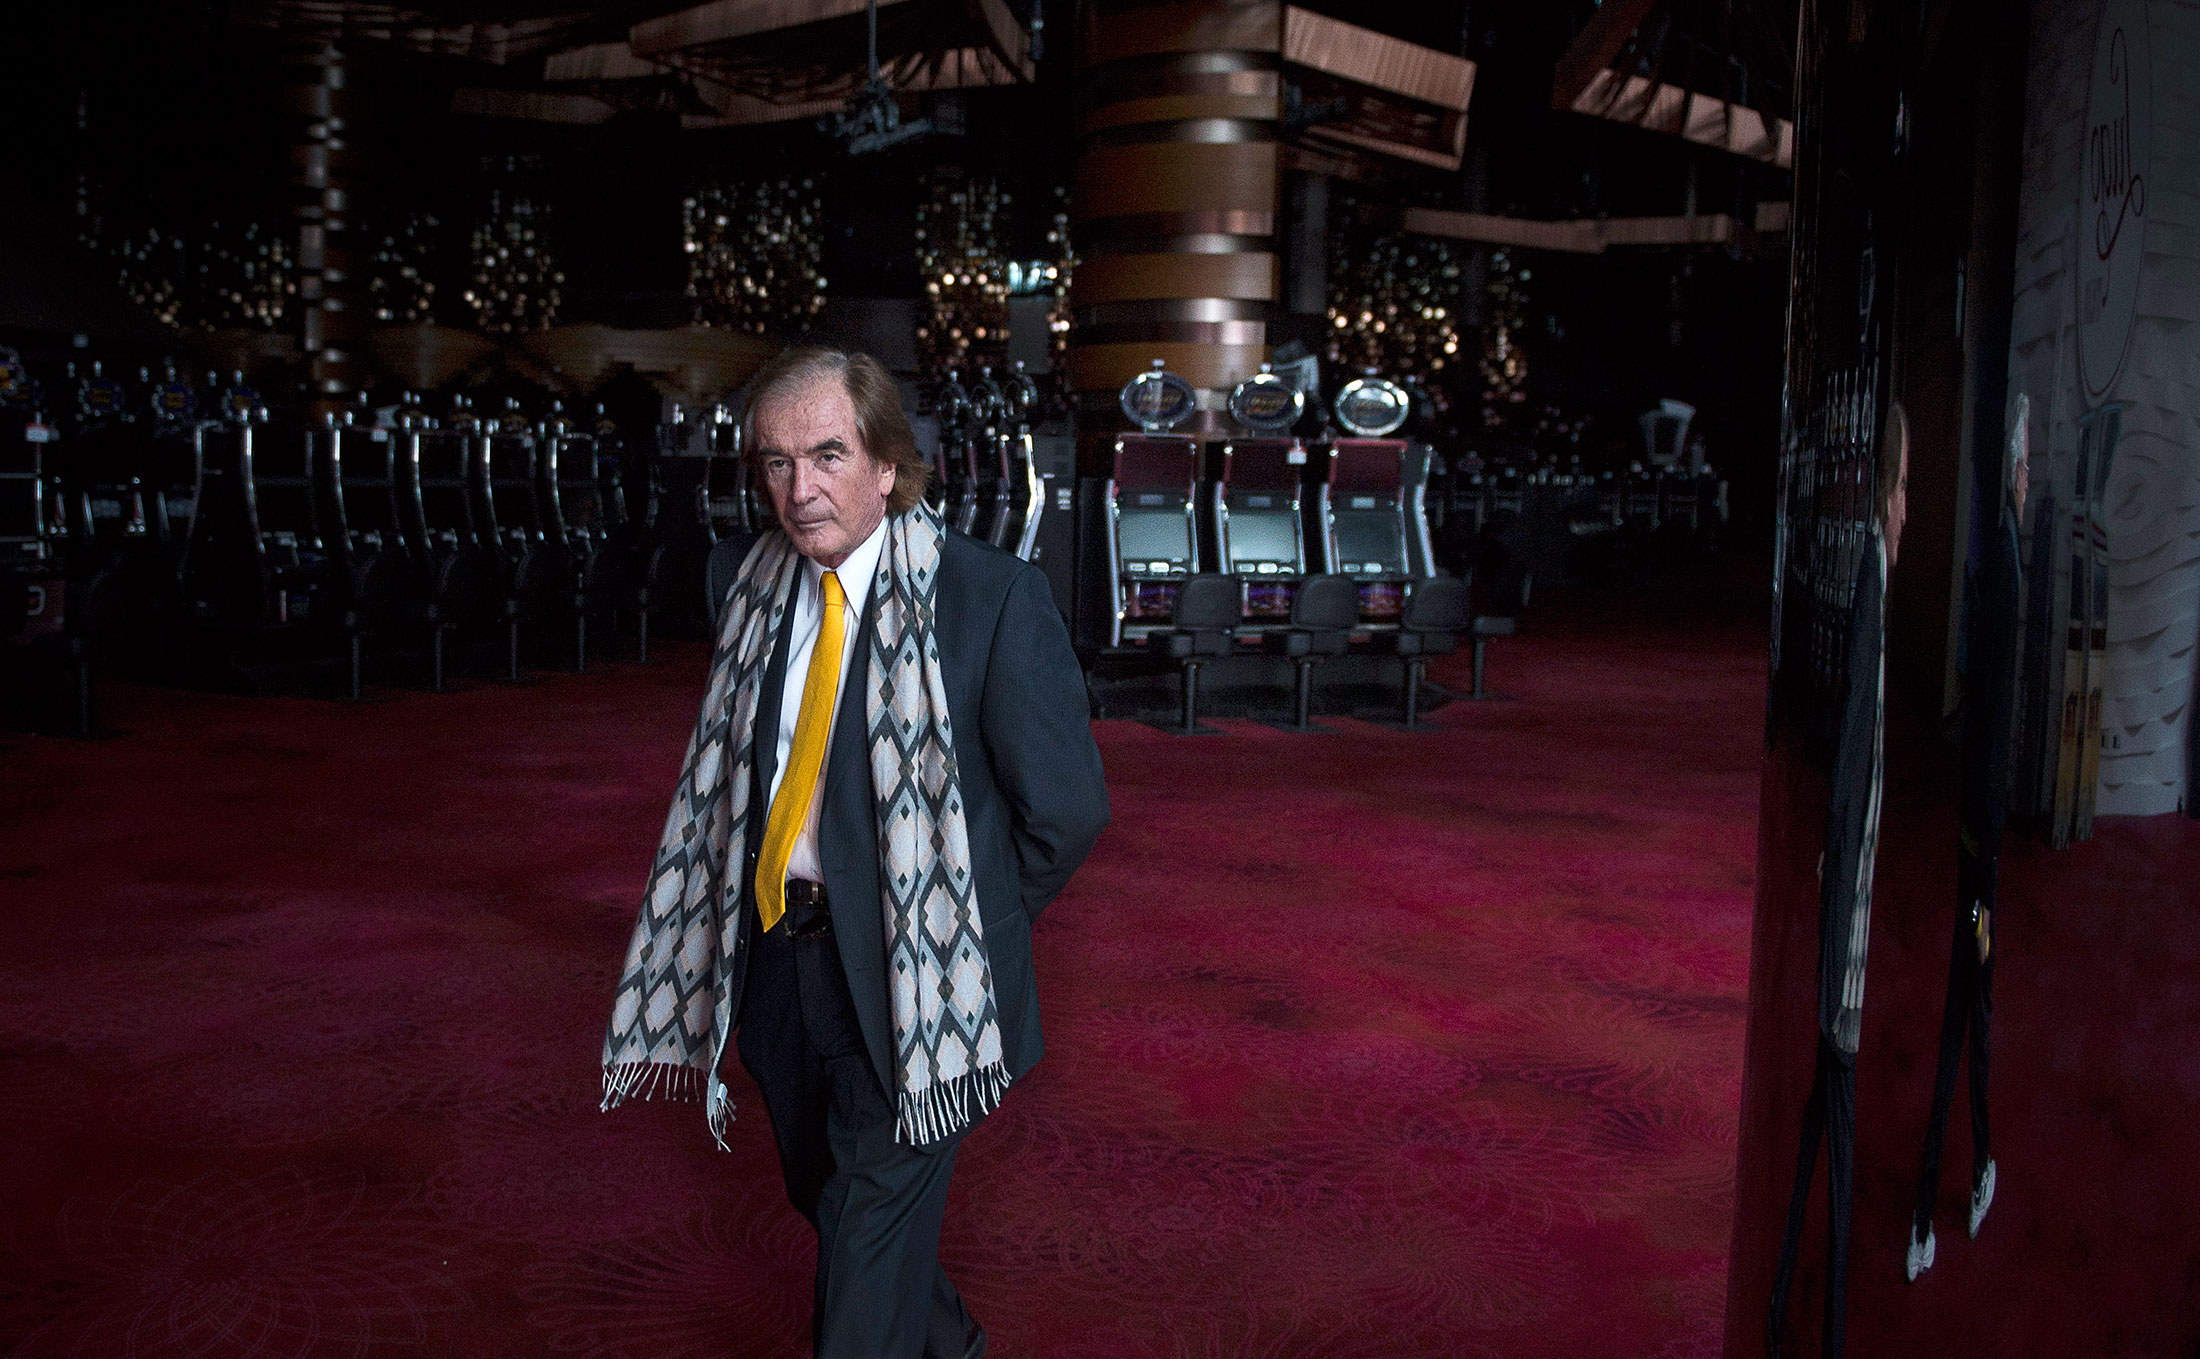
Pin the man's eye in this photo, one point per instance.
(828, 460)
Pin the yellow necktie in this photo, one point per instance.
(805, 759)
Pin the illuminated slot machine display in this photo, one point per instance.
(1151, 500)
(1259, 513)
(1369, 506)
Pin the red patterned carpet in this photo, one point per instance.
(1359, 1044)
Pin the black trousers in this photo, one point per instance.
(1967, 1012)
(1831, 1111)
(876, 1203)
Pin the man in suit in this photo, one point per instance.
(1989, 697)
(873, 946)
(1845, 871)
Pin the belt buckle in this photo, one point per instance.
(817, 920)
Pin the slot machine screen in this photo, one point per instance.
(1370, 542)
(1155, 536)
(1263, 536)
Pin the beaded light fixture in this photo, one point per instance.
(1064, 264)
(1504, 359)
(247, 276)
(755, 254)
(965, 273)
(151, 269)
(1394, 305)
(398, 281)
(513, 279)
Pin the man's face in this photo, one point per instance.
(826, 488)
(2020, 485)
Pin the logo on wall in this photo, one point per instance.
(2112, 193)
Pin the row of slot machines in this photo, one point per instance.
(205, 517)
(1268, 507)
(986, 474)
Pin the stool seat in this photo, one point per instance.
(1207, 608)
(1324, 610)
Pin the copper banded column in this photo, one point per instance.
(325, 112)
(1173, 203)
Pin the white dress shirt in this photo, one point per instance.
(809, 615)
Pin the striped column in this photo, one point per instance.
(1173, 203)
(325, 113)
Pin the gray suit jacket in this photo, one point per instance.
(1031, 783)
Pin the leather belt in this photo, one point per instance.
(807, 914)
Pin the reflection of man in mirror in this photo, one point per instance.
(1988, 698)
(1845, 898)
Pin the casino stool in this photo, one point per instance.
(1438, 610)
(1207, 608)
(1324, 610)
(1508, 595)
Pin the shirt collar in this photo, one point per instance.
(856, 572)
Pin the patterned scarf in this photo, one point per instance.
(680, 987)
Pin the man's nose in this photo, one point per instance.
(805, 480)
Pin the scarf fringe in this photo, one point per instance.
(950, 1106)
(623, 1081)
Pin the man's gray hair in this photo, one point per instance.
(881, 423)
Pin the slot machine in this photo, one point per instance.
(356, 465)
(532, 569)
(730, 503)
(1367, 507)
(677, 530)
(290, 513)
(32, 591)
(579, 521)
(1023, 490)
(951, 411)
(987, 453)
(435, 515)
(171, 467)
(1150, 504)
(959, 449)
(1258, 515)
(115, 575)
